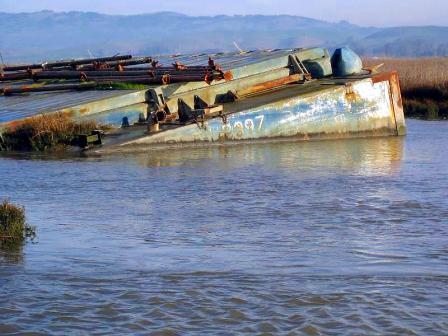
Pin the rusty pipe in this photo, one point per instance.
(14, 76)
(25, 89)
(166, 79)
(117, 65)
(47, 65)
(74, 74)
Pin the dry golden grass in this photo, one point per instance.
(417, 73)
(46, 132)
(424, 84)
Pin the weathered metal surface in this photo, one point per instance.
(15, 109)
(395, 96)
(268, 85)
(114, 117)
(364, 107)
(212, 93)
(257, 64)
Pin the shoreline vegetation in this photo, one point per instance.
(45, 133)
(13, 227)
(424, 84)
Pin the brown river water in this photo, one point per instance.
(346, 237)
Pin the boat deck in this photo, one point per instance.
(19, 107)
(81, 103)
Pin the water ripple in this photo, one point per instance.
(319, 238)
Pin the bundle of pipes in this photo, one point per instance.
(109, 70)
(33, 69)
(155, 76)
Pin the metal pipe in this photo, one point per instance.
(74, 74)
(49, 65)
(14, 76)
(117, 64)
(165, 79)
(164, 68)
(24, 89)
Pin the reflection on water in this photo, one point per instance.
(11, 252)
(367, 156)
(331, 237)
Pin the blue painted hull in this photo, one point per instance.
(364, 107)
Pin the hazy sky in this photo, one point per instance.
(362, 12)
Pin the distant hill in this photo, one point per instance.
(49, 35)
(406, 41)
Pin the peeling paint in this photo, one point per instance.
(369, 110)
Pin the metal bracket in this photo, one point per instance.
(184, 111)
(199, 103)
(94, 138)
(298, 67)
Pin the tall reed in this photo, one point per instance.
(424, 84)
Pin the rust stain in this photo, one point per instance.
(395, 96)
(396, 89)
(269, 85)
(350, 94)
(84, 110)
(228, 76)
(384, 76)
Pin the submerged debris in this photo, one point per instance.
(13, 227)
(47, 133)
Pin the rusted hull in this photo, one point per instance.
(366, 107)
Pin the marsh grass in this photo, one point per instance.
(50, 132)
(13, 228)
(424, 84)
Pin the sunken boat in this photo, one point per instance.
(189, 100)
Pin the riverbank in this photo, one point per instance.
(424, 84)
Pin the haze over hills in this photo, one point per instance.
(44, 35)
